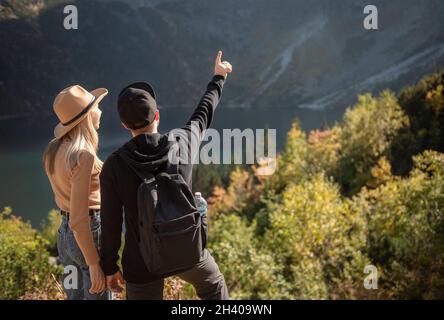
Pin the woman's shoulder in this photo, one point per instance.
(86, 157)
(87, 161)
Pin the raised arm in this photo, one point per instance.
(190, 136)
(203, 114)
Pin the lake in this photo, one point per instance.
(24, 185)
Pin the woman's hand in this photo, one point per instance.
(97, 279)
(222, 68)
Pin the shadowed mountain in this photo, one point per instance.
(287, 54)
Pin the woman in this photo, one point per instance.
(73, 168)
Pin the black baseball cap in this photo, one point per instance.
(137, 105)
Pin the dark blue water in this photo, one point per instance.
(24, 185)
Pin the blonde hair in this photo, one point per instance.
(83, 137)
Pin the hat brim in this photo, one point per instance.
(60, 130)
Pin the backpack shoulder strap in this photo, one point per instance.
(172, 168)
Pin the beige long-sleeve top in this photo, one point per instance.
(77, 191)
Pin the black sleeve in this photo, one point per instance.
(203, 114)
(111, 220)
(190, 136)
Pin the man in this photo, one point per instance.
(148, 151)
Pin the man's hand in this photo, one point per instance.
(115, 282)
(222, 68)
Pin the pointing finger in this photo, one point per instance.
(219, 57)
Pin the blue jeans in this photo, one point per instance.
(76, 279)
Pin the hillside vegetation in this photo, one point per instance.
(367, 191)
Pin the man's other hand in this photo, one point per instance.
(115, 282)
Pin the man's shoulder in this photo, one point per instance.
(112, 157)
(110, 162)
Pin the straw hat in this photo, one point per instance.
(72, 105)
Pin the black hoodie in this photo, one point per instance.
(146, 153)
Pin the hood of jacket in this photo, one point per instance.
(146, 153)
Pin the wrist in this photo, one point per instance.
(110, 269)
(220, 76)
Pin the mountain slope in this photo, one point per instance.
(311, 54)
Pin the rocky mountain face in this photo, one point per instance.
(299, 54)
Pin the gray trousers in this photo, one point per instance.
(205, 277)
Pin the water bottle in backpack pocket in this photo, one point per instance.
(202, 208)
(201, 203)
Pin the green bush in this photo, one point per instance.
(406, 230)
(424, 105)
(367, 134)
(49, 229)
(318, 238)
(24, 260)
(250, 273)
